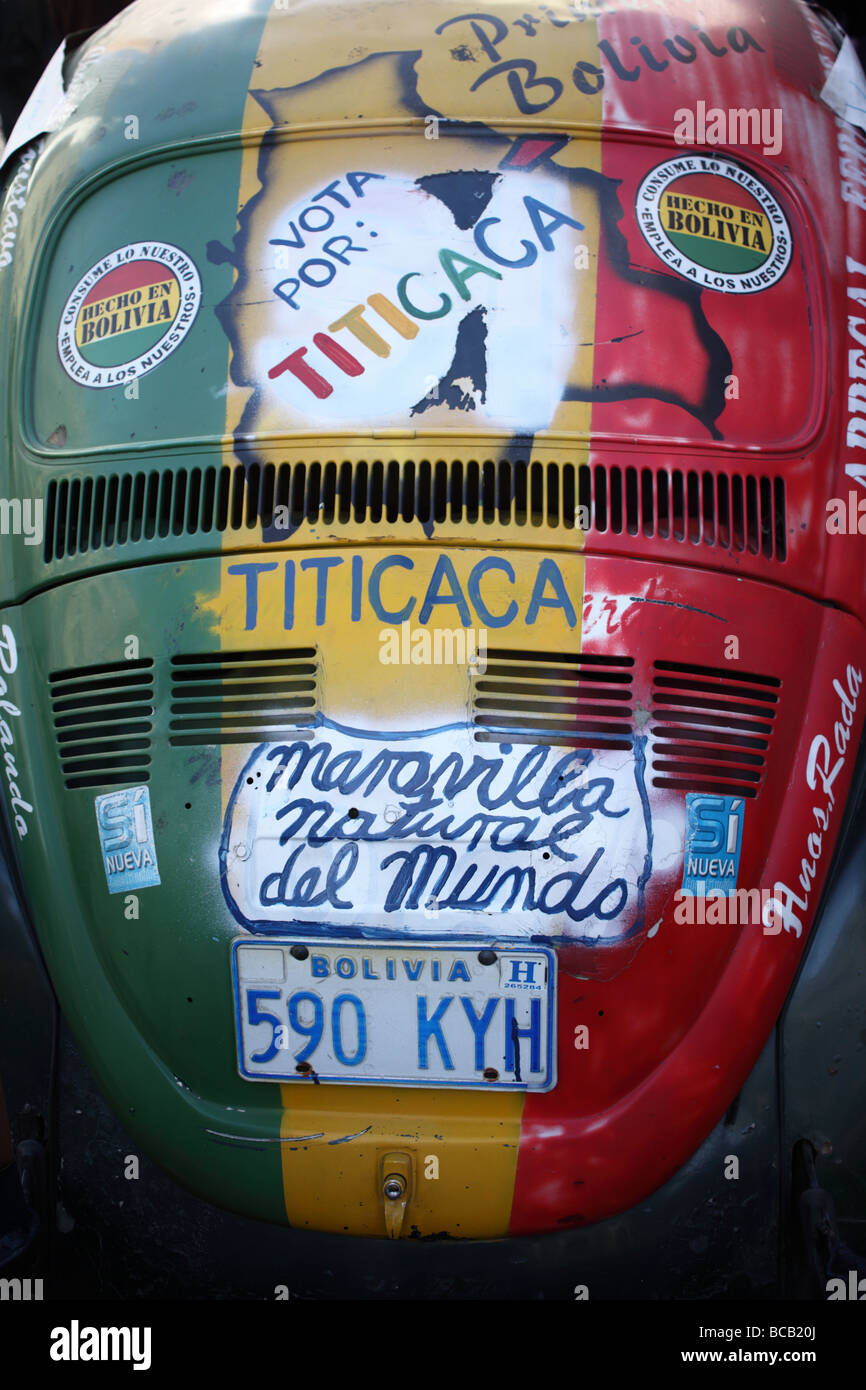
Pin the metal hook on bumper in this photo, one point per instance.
(395, 1172)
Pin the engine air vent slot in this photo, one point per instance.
(735, 512)
(711, 728)
(579, 701)
(102, 723)
(243, 697)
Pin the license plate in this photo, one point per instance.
(416, 1015)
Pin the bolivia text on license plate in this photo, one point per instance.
(416, 1015)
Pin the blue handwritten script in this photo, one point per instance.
(401, 834)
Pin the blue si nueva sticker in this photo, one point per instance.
(714, 839)
(126, 839)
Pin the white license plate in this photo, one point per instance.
(401, 1013)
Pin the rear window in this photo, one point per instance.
(469, 283)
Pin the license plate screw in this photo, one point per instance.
(300, 952)
(304, 1068)
(487, 957)
(490, 1074)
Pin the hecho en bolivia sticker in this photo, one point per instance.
(714, 839)
(715, 224)
(126, 839)
(128, 313)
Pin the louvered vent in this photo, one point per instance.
(553, 697)
(711, 728)
(241, 697)
(732, 511)
(102, 722)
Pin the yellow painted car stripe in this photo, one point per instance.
(334, 1183)
(462, 1145)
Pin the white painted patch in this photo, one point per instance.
(845, 89)
(542, 840)
(399, 229)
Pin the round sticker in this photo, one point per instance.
(715, 224)
(128, 313)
